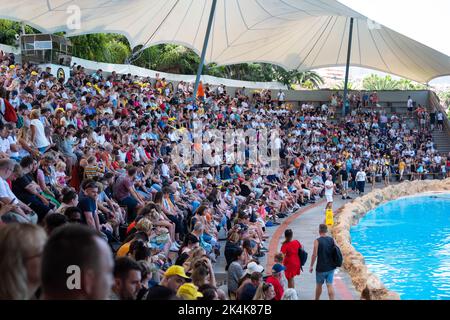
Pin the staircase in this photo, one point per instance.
(442, 141)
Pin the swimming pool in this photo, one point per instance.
(406, 243)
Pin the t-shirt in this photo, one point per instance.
(279, 291)
(235, 273)
(5, 191)
(5, 145)
(410, 103)
(361, 176)
(19, 185)
(122, 187)
(87, 204)
(41, 140)
(329, 188)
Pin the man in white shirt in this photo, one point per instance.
(280, 96)
(360, 180)
(410, 104)
(329, 189)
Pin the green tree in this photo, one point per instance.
(444, 96)
(374, 82)
(9, 29)
(109, 48)
(406, 84)
(341, 85)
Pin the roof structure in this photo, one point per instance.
(294, 34)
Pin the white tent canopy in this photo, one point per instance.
(295, 34)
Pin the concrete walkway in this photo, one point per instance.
(304, 224)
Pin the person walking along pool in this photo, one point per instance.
(291, 258)
(323, 252)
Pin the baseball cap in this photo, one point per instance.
(176, 271)
(253, 267)
(277, 268)
(189, 291)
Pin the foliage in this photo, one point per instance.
(110, 48)
(341, 85)
(374, 82)
(9, 29)
(444, 96)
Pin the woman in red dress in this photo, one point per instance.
(291, 259)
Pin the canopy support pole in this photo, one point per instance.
(205, 47)
(347, 68)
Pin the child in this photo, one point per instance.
(61, 178)
(279, 257)
(92, 169)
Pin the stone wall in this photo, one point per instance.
(349, 215)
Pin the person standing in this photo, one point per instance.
(323, 252)
(344, 176)
(38, 137)
(291, 258)
(440, 120)
(410, 105)
(329, 189)
(360, 180)
(401, 168)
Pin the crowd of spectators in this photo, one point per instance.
(87, 179)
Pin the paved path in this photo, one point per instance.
(305, 224)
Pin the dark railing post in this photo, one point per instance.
(205, 47)
(347, 68)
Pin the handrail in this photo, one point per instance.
(434, 103)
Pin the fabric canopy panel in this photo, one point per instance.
(295, 34)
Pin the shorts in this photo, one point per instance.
(345, 185)
(327, 277)
(329, 198)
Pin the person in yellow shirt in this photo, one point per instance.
(401, 168)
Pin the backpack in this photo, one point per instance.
(337, 256)
(10, 113)
(303, 255)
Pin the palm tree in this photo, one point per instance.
(341, 85)
(376, 83)
(406, 84)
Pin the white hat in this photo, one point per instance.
(254, 267)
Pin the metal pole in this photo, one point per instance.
(347, 67)
(205, 47)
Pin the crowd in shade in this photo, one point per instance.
(88, 181)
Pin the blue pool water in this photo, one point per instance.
(406, 243)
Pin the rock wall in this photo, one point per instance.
(349, 215)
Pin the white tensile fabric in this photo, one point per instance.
(295, 34)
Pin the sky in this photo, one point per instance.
(426, 21)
